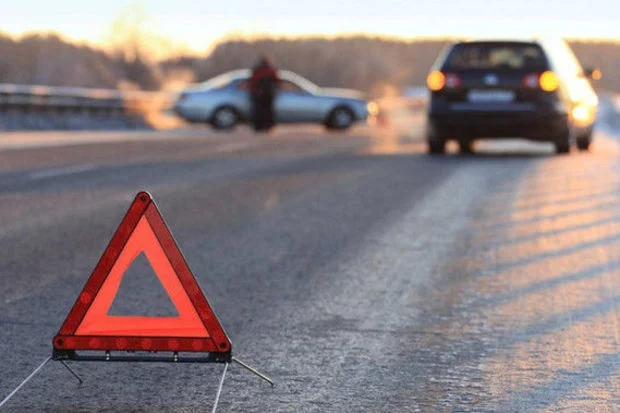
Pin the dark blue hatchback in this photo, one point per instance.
(507, 89)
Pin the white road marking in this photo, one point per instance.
(67, 170)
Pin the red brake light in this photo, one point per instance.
(452, 81)
(530, 81)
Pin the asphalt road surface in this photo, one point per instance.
(361, 274)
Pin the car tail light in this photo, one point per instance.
(549, 81)
(530, 81)
(452, 81)
(436, 81)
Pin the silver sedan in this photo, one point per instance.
(224, 101)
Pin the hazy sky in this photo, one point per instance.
(199, 23)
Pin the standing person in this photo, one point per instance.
(263, 85)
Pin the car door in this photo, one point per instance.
(294, 104)
(238, 96)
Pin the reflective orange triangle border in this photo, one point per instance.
(88, 325)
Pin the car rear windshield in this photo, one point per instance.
(497, 56)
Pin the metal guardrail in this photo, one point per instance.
(29, 97)
(27, 107)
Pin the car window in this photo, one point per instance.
(304, 84)
(243, 84)
(288, 86)
(283, 86)
(496, 56)
(217, 82)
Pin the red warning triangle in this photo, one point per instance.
(89, 326)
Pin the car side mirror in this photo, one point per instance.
(593, 73)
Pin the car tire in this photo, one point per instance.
(224, 118)
(562, 146)
(341, 118)
(436, 145)
(466, 147)
(562, 141)
(584, 141)
(583, 145)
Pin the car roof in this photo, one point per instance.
(500, 40)
(538, 40)
(240, 74)
(245, 73)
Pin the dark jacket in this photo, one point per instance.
(264, 82)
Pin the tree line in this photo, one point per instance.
(360, 62)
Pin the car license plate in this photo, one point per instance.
(491, 96)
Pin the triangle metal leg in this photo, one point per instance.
(72, 372)
(253, 371)
(219, 389)
(26, 380)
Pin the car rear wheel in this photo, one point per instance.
(583, 142)
(466, 147)
(224, 118)
(562, 146)
(583, 145)
(436, 145)
(340, 118)
(562, 141)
